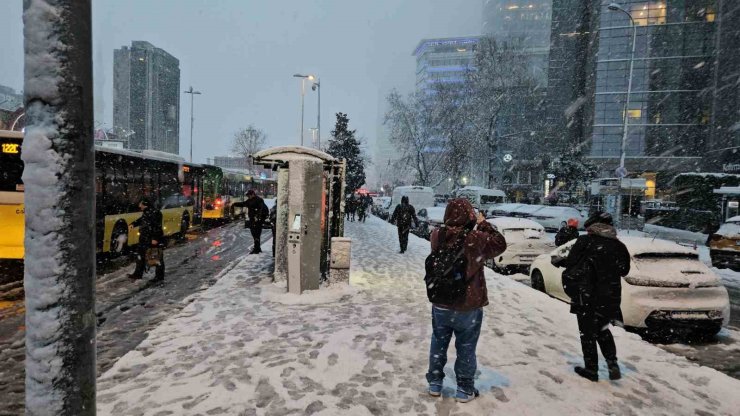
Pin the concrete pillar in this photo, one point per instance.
(281, 229)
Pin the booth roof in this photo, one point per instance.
(288, 153)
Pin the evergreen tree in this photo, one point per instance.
(344, 145)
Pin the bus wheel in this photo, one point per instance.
(184, 225)
(119, 239)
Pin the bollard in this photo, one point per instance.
(341, 253)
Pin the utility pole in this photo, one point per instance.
(192, 96)
(59, 201)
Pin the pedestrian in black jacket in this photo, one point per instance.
(568, 232)
(257, 214)
(150, 235)
(592, 279)
(402, 216)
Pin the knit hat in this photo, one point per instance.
(599, 217)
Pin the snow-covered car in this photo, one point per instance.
(525, 240)
(724, 245)
(380, 207)
(429, 219)
(550, 217)
(667, 286)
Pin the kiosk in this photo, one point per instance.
(309, 213)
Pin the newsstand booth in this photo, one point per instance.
(309, 212)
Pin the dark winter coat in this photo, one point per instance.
(257, 211)
(404, 214)
(481, 244)
(594, 268)
(150, 226)
(565, 234)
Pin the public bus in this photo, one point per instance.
(122, 179)
(222, 188)
(12, 223)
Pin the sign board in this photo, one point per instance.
(621, 172)
(550, 176)
(508, 158)
(733, 204)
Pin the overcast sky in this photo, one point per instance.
(242, 53)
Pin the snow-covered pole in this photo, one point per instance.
(59, 208)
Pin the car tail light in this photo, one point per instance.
(218, 201)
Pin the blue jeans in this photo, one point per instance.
(466, 328)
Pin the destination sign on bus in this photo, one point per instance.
(11, 147)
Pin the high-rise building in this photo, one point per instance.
(677, 91)
(524, 21)
(444, 60)
(146, 97)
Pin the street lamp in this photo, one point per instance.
(192, 96)
(317, 87)
(303, 93)
(615, 7)
(621, 171)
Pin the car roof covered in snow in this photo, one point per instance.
(647, 245)
(734, 219)
(507, 223)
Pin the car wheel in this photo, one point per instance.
(538, 282)
(119, 239)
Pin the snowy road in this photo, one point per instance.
(127, 311)
(240, 348)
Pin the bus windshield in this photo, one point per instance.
(11, 165)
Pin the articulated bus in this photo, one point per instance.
(11, 196)
(122, 178)
(225, 187)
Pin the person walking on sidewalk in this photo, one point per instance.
(403, 215)
(568, 232)
(474, 241)
(257, 214)
(150, 235)
(592, 278)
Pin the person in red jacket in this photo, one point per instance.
(463, 319)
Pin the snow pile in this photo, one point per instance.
(229, 352)
(277, 292)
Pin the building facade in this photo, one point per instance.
(444, 60)
(146, 96)
(11, 109)
(677, 94)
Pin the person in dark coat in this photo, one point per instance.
(592, 279)
(273, 225)
(403, 215)
(257, 214)
(150, 235)
(567, 233)
(462, 319)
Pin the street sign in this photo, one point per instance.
(550, 176)
(508, 158)
(621, 172)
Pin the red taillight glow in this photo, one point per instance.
(218, 201)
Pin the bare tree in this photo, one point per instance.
(248, 141)
(409, 127)
(502, 92)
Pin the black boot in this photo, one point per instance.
(614, 372)
(587, 374)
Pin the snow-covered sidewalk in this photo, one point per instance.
(240, 348)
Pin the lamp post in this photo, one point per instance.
(192, 96)
(303, 93)
(317, 87)
(621, 171)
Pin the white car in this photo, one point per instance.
(525, 240)
(429, 219)
(667, 286)
(550, 217)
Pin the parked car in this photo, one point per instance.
(525, 240)
(429, 219)
(667, 286)
(550, 217)
(482, 198)
(724, 245)
(381, 207)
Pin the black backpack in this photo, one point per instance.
(445, 271)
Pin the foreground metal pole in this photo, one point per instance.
(59, 208)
